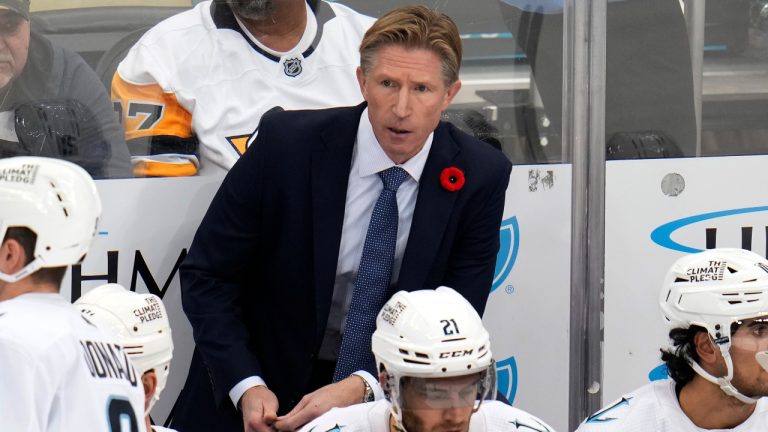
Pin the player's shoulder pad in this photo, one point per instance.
(523, 421)
(500, 416)
(641, 402)
(168, 47)
(354, 418)
(612, 412)
(175, 26)
(21, 325)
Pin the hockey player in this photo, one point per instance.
(196, 85)
(437, 370)
(58, 372)
(140, 324)
(716, 305)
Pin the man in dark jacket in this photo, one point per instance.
(327, 214)
(51, 103)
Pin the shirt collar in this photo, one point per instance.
(371, 158)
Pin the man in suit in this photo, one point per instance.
(282, 268)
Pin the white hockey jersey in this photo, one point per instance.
(492, 416)
(654, 407)
(60, 373)
(199, 75)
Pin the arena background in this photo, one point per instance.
(541, 317)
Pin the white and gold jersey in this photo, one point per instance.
(493, 416)
(654, 407)
(200, 77)
(61, 373)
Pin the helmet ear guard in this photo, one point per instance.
(713, 289)
(55, 199)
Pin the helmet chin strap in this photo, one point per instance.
(392, 391)
(723, 382)
(397, 415)
(24, 272)
(399, 426)
(762, 359)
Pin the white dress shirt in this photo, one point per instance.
(363, 190)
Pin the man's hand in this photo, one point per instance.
(343, 393)
(259, 406)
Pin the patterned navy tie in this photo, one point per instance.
(372, 282)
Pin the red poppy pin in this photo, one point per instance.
(452, 179)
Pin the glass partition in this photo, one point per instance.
(686, 92)
(512, 74)
(735, 78)
(499, 102)
(654, 89)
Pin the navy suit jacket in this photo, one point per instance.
(258, 280)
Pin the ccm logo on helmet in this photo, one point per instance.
(459, 353)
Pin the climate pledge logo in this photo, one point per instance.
(509, 243)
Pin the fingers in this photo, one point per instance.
(260, 427)
(259, 420)
(305, 411)
(254, 421)
(300, 406)
(257, 424)
(270, 409)
(313, 405)
(298, 417)
(259, 406)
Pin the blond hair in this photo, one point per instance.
(415, 27)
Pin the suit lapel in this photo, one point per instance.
(331, 161)
(434, 206)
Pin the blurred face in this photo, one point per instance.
(252, 9)
(438, 404)
(14, 45)
(749, 339)
(406, 95)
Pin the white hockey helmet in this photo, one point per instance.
(432, 334)
(140, 323)
(713, 289)
(55, 199)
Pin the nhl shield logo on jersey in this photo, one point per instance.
(292, 67)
